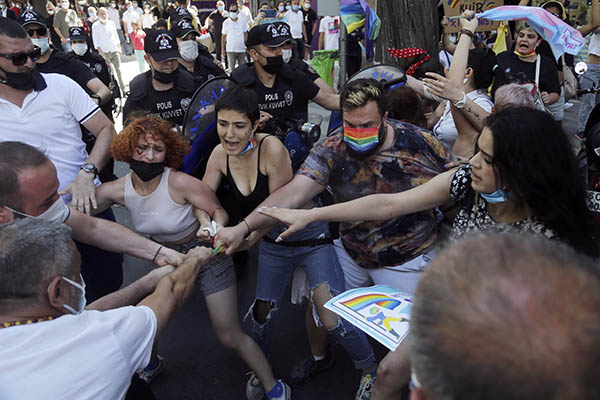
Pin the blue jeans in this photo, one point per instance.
(276, 266)
(591, 76)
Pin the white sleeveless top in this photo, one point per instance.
(157, 214)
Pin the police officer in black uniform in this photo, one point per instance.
(194, 56)
(95, 62)
(57, 61)
(283, 91)
(290, 58)
(166, 89)
(97, 65)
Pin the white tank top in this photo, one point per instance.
(594, 47)
(157, 214)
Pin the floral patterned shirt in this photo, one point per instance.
(415, 157)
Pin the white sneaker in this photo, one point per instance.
(254, 389)
(365, 388)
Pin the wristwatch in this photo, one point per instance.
(90, 167)
(461, 103)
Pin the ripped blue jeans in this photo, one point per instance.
(276, 266)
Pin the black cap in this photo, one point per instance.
(182, 28)
(160, 45)
(272, 34)
(77, 33)
(29, 17)
(179, 13)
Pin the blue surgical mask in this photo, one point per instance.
(233, 14)
(221, 8)
(82, 301)
(499, 196)
(249, 146)
(281, 8)
(295, 7)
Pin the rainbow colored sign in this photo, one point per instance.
(382, 312)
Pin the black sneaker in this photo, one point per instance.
(308, 368)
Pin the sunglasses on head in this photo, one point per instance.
(21, 58)
(41, 31)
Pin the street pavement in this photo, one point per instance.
(198, 367)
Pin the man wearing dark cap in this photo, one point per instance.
(97, 65)
(57, 61)
(282, 90)
(195, 57)
(166, 90)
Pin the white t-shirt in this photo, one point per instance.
(295, 21)
(114, 16)
(445, 58)
(130, 16)
(245, 11)
(92, 355)
(594, 46)
(446, 131)
(330, 28)
(235, 34)
(105, 36)
(49, 120)
(147, 20)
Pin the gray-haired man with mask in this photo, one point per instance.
(52, 346)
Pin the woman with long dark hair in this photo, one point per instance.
(523, 177)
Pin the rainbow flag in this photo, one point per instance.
(360, 302)
(382, 312)
(358, 13)
(452, 3)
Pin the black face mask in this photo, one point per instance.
(274, 64)
(19, 80)
(146, 171)
(165, 77)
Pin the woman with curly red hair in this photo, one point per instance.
(161, 201)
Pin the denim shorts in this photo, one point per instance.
(217, 275)
(276, 263)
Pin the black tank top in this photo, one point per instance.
(248, 203)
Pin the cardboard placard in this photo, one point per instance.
(453, 8)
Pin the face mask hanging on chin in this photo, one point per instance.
(499, 196)
(165, 77)
(19, 80)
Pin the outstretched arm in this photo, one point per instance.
(369, 208)
(294, 194)
(174, 289)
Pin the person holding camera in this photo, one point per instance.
(256, 165)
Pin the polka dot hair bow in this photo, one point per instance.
(410, 52)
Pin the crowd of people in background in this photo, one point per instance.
(457, 186)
